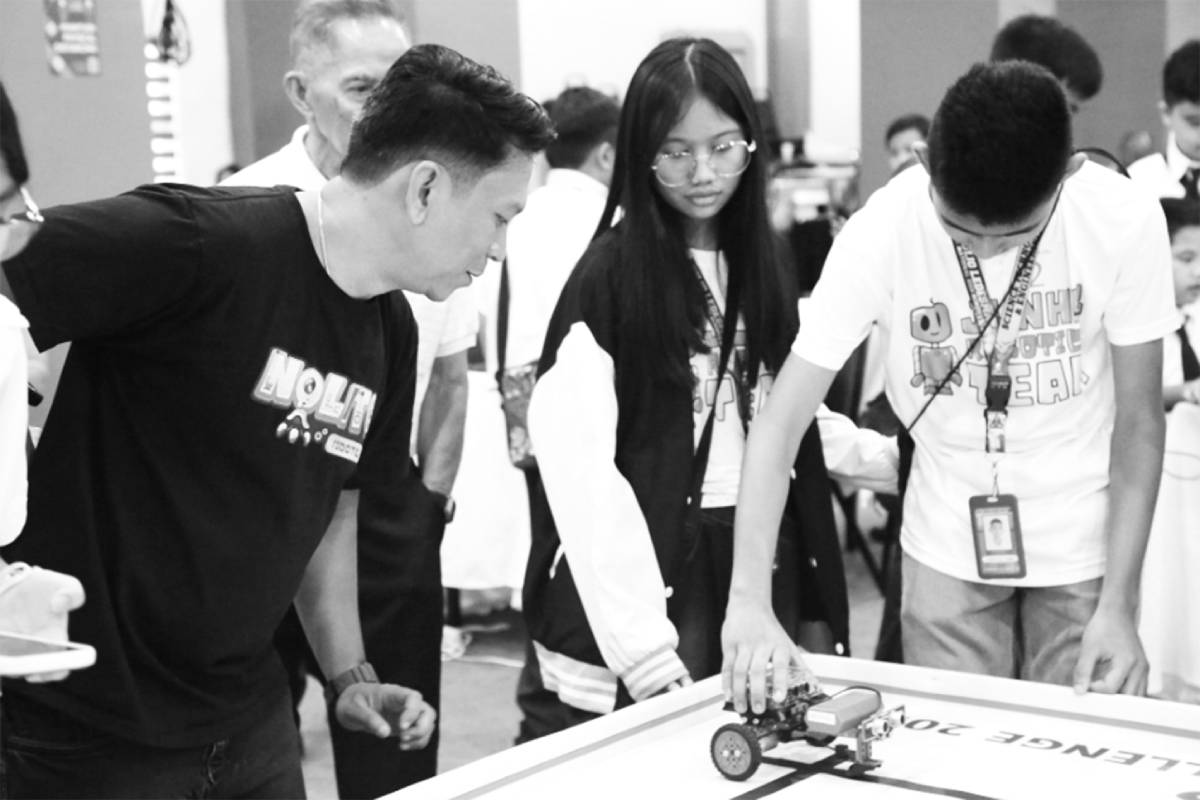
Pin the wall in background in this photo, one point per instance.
(85, 137)
(601, 42)
(836, 91)
(1130, 40)
(789, 65)
(262, 119)
(486, 32)
(911, 52)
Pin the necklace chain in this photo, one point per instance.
(321, 233)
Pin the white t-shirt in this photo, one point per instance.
(445, 328)
(14, 419)
(722, 476)
(1102, 276)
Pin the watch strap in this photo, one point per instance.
(359, 673)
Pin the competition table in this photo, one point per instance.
(966, 736)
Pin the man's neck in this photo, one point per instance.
(327, 160)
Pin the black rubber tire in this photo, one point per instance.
(735, 751)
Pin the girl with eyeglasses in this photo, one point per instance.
(661, 348)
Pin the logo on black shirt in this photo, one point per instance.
(325, 408)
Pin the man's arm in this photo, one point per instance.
(1111, 657)
(440, 427)
(751, 638)
(327, 603)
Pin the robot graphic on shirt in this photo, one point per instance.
(933, 362)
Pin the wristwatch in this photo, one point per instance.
(448, 505)
(359, 673)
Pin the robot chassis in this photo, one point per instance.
(806, 713)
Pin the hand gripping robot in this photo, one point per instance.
(806, 713)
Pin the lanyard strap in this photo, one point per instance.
(741, 388)
(997, 343)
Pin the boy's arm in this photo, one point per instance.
(1111, 657)
(751, 638)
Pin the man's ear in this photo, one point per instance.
(600, 162)
(295, 86)
(606, 156)
(921, 151)
(426, 181)
(1074, 163)
(1164, 111)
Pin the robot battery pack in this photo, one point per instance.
(843, 711)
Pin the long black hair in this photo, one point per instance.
(659, 293)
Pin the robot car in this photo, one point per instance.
(806, 713)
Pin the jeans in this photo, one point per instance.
(1032, 633)
(46, 754)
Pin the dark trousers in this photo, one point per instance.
(400, 605)
(45, 754)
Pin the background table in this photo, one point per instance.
(966, 736)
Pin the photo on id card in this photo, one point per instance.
(996, 526)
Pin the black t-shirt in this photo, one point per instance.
(219, 394)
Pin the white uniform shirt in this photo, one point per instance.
(544, 243)
(445, 328)
(1102, 276)
(1173, 348)
(1160, 174)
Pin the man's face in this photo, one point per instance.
(471, 225)
(986, 241)
(1184, 121)
(339, 78)
(1185, 260)
(900, 148)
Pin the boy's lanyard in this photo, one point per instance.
(998, 329)
(717, 320)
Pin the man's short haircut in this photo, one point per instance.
(438, 104)
(1000, 141)
(1051, 44)
(10, 142)
(313, 23)
(1180, 213)
(583, 118)
(1181, 75)
(917, 122)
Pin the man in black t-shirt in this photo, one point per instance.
(241, 367)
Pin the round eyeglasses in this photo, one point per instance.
(726, 160)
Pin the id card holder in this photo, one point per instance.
(996, 525)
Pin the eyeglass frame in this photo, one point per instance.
(751, 147)
(32, 214)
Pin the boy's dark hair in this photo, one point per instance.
(583, 118)
(917, 122)
(1181, 75)
(1000, 141)
(10, 142)
(1051, 44)
(438, 104)
(1180, 213)
(312, 24)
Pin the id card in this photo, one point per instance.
(996, 525)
